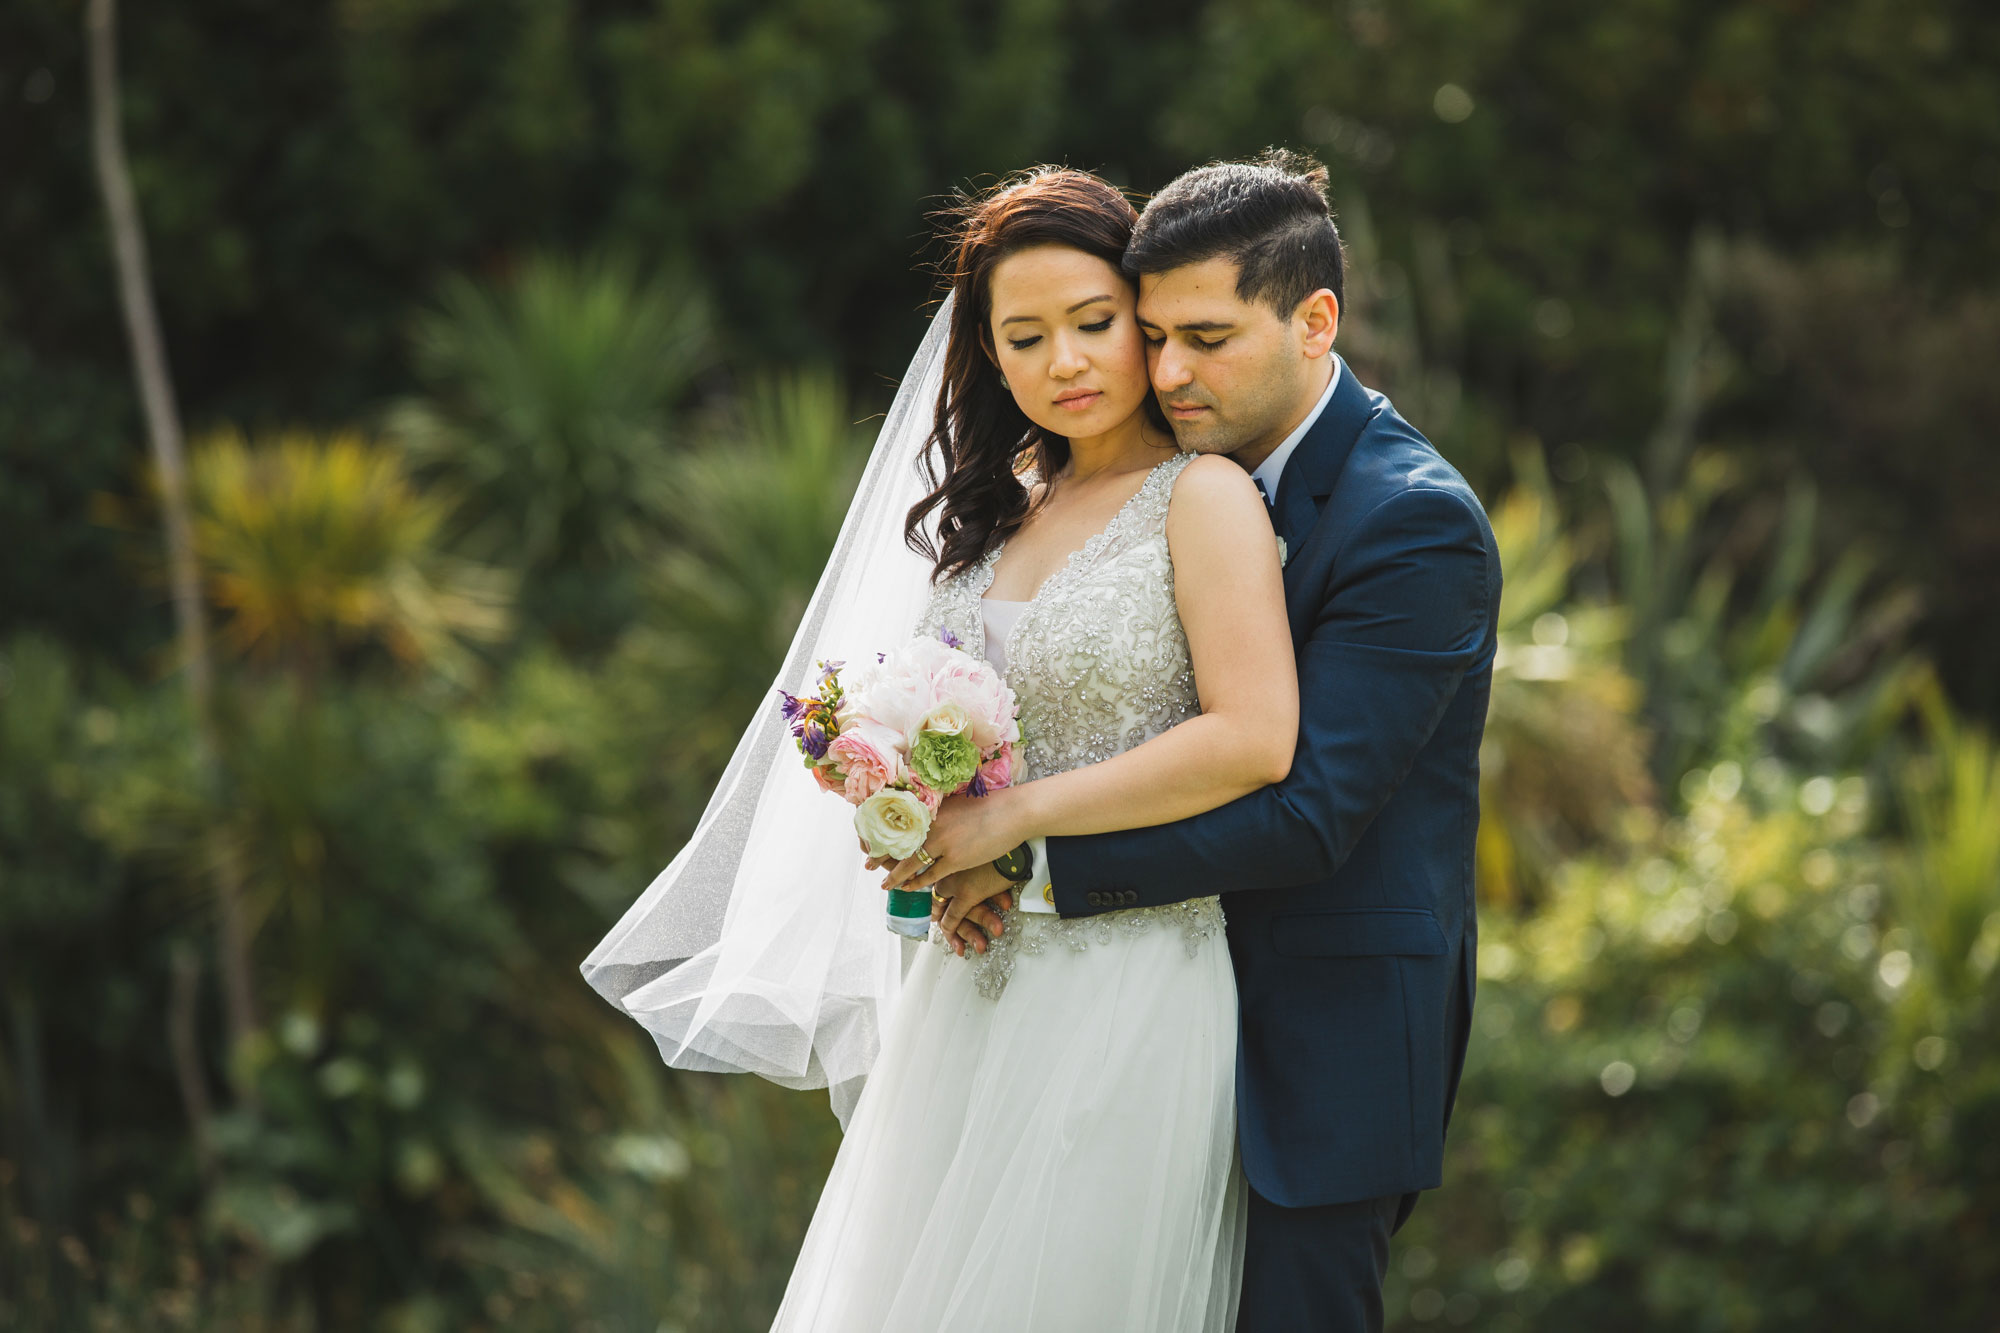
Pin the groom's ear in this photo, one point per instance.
(1318, 320)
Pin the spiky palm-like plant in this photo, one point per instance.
(1564, 756)
(311, 543)
(1949, 890)
(1808, 661)
(547, 409)
(752, 515)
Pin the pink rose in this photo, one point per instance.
(975, 686)
(868, 752)
(931, 799)
(829, 779)
(998, 771)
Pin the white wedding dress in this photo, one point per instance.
(1047, 1139)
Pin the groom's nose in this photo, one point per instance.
(1171, 370)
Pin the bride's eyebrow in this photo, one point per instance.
(1031, 319)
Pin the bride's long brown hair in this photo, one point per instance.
(981, 439)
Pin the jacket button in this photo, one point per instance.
(1131, 897)
(1094, 898)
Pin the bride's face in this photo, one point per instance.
(1066, 338)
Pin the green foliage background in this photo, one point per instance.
(1703, 295)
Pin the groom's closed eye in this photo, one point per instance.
(1156, 336)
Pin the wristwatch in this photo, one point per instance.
(1017, 866)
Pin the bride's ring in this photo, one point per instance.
(926, 858)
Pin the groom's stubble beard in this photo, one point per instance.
(1252, 421)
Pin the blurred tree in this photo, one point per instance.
(163, 431)
(1854, 370)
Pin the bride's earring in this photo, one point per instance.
(1005, 385)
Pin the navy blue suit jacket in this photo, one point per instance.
(1348, 886)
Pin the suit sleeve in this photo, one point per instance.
(1405, 616)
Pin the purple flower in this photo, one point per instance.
(950, 640)
(813, 741)
(976, 787)
(793, 707)
(827, 671)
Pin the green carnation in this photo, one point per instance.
(942, 762)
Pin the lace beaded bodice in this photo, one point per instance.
(1099, 664)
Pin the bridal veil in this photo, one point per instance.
(761, 948)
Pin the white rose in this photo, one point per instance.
(893, 823)
(947, 719)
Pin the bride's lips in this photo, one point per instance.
(1079, 400)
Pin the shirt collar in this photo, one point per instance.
(1271, 470)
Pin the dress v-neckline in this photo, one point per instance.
(1096, 539)
(1074, 560)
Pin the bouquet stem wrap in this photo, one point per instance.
(910, 913)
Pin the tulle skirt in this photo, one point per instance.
(1059, 1158)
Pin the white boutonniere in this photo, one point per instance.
(1284, 553)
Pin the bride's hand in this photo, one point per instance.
(969, 831)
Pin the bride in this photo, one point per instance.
(1044, 1133)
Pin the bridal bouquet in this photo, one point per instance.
(898, 735)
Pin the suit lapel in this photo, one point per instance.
(1295, 511)
(1309, 477)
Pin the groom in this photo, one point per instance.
(1348, 886)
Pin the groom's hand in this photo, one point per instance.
(967, 906)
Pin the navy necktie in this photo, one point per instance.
(1258, 482)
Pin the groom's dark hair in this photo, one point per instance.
(1269, 215)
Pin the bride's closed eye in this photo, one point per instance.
(1023, 344)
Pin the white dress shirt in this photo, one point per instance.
(1037, 895)
(1269, 472)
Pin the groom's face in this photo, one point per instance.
(1229, 373)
